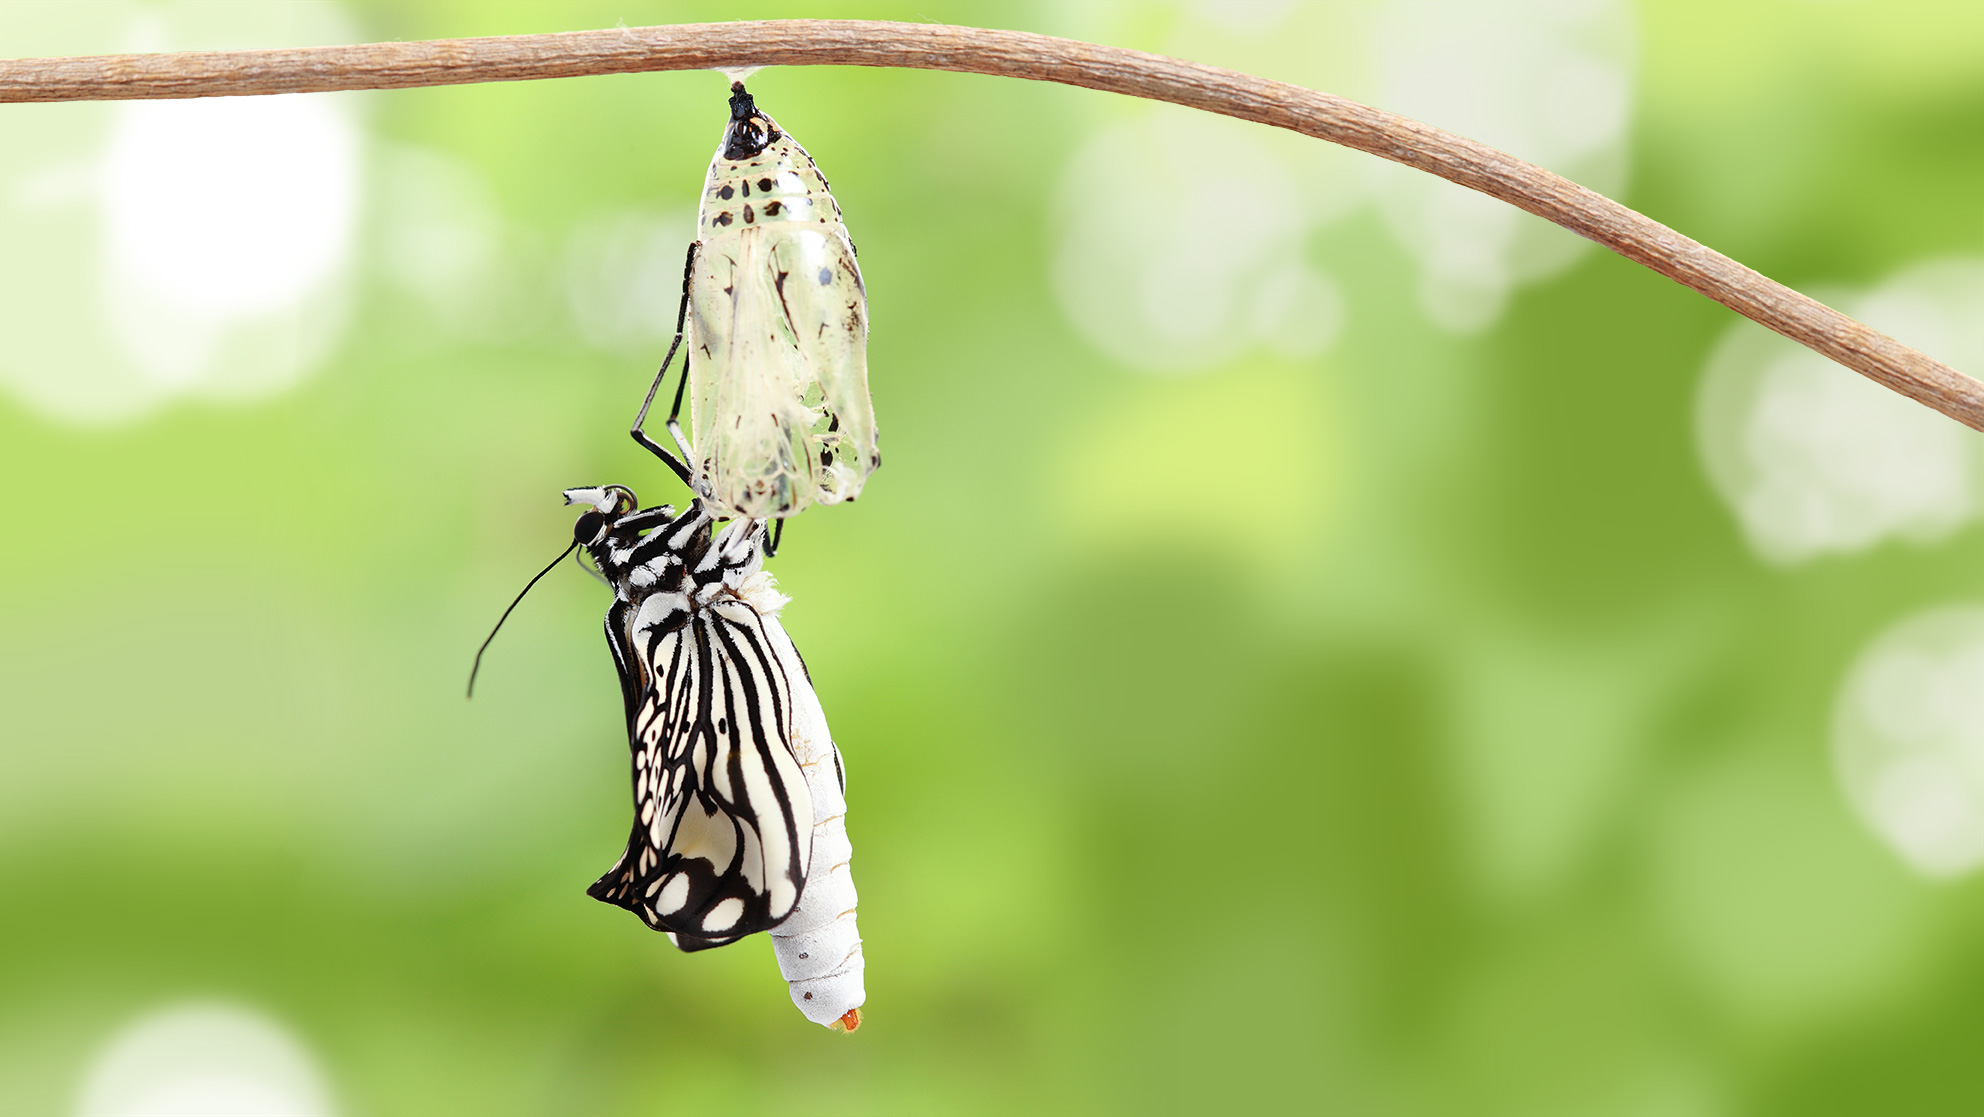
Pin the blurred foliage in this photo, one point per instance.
(1486, 773)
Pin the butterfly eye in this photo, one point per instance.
(590, 527)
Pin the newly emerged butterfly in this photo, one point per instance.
(777, 323)
(739, 792)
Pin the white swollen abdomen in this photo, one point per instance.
(818, 946)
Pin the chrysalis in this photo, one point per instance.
(777, 323)
(739, 792)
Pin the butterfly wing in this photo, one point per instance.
(721, 842)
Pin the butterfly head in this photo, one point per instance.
(605, 505)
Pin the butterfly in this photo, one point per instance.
(739, 791)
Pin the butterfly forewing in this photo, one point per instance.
(721, 840)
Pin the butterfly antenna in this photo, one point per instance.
(506, 615)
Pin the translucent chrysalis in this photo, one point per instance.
(777, 325)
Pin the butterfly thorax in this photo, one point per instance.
(673, 569)
(634, 575)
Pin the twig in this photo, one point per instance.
(1037, 58)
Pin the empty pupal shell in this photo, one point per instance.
(778, 355)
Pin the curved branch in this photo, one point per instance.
(1034, 57)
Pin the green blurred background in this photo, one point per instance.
(1368, 702)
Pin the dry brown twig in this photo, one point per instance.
(1016, 54)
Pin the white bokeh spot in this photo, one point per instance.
(1814, 458)
(1549, 81)
(203, 1059)
(1173, 258)
(1908, 740)
(1183, 241)
(169, 249)
(218, 213)
(230, 206)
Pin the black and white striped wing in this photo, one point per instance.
(723, 821)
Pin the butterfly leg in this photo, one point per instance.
(640, 421)
(682, 383)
